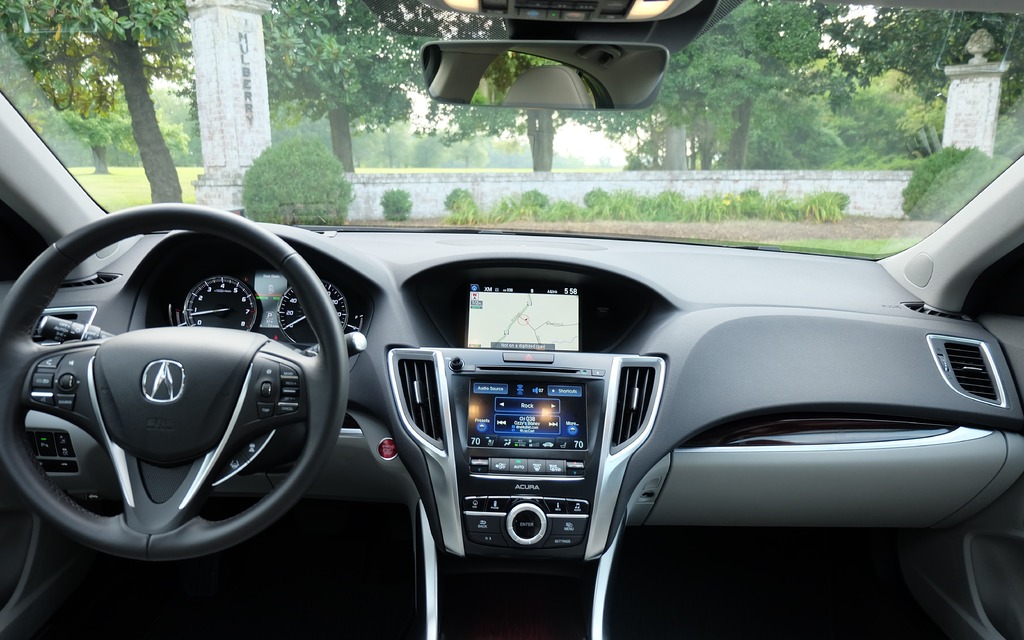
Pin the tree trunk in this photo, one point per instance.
(738, 143)
(341, 137)
(156, 157)
(540, 131)
(675, 148)
(99, 161)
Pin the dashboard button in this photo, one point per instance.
(537, 467)
(577, 506)
(555, 505)
(526, 356)
(473, 503)
(489, 539)
(483, 524)
(566, 525)
(555, 467)
(563, 541)
(518, 465)
(499, 465)
(496, 504)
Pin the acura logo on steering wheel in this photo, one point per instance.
(163, 381)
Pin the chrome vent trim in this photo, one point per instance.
(633, 402)
(967, 367)
(419, 388)
(97, 279)
(929, 310)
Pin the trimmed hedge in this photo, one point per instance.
(298, 181)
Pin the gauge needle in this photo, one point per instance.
(293, 323)
(208, 312)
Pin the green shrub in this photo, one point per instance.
(458, 199)
(534, 199)
(596, 199)
(944, 182)
(397, 205)
(297, 181)
(827, 206)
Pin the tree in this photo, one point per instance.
(919, 44)
(712, 87)
(336, 60)
(99, 133)
(84, 54)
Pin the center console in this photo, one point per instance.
(526, 438)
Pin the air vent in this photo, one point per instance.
(967, 367)
(927, 310)
(99, 278)
(636, 388)
(422, 401)
(971, 370)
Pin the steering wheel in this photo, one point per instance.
(170, 405)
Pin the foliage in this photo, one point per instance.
(944, 182)
(297, 181)
(667, 206)
(397, 205)
(85, 54)
(336, 60)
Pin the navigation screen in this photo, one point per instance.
(545, 318)
(527, 414)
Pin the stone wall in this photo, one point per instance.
(872, 193)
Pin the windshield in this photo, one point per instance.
(831, 129)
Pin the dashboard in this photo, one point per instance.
(535, 394)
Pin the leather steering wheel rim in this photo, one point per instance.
(325, 383)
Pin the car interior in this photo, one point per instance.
(715, 441)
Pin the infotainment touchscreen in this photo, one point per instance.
(527, 414)
(531, 318)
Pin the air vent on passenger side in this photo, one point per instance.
(422, 401)
(967, 367)
(99, 278)
(927, 310)
(636, 389)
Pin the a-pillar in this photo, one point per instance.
(972, 105)
(231, 94)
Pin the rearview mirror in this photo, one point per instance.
(544, 74)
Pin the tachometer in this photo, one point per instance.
(221, 301)
(293, 319)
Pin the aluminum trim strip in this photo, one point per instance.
(958, 435)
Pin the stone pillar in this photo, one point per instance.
(231, 94)
(972, 106)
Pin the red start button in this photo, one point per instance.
(387, 449)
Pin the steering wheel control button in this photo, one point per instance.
(266, 389)
(66, 401)
(67, 382)
(59, 466)
(265, 409)
(49, 363)
(526, 524)
(285, 408)
(483, 524)
(42, 380)
(44, 397)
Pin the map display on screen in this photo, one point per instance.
(523, 318)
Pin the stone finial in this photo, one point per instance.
(979, 44)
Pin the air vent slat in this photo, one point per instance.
(633, 401)
(99, 278)
(420, 393)
(970, 368)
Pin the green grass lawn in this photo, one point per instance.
(128, 187)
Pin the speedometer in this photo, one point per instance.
(221, 301)
(293, 319)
